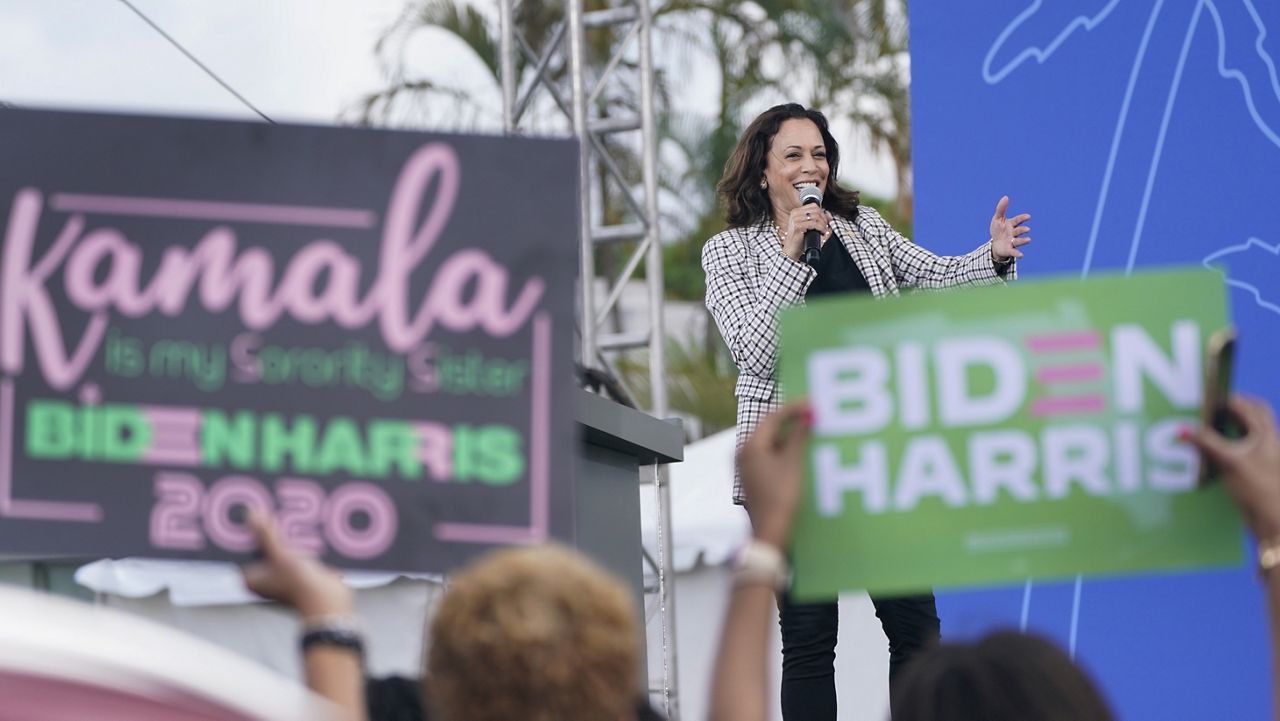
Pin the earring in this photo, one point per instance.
(764, 184)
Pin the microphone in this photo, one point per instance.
(810, 195)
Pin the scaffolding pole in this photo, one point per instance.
(630, 58)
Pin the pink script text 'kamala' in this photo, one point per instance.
(101, 271)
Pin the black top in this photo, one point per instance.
(837, 273)
(394, 698)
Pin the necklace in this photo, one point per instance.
(782, 237)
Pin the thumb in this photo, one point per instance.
(797, 439)
(265, 534)
(1211, 444)
(256, 576)
(1001, 206)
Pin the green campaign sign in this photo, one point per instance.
(995, 434)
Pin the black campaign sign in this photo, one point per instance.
(365, 334)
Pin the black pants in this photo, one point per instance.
(809, 649)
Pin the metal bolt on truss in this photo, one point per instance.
(603, 125)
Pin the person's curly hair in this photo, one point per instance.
(537, 634)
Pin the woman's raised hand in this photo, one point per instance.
(1007, 234)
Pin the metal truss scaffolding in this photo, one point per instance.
(604, 56)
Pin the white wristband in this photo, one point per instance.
(1268, 555)
(761, 563)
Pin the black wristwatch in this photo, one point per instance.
(337, 632)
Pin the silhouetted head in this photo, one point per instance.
(1006, 676)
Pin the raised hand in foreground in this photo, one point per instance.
(771, 465)
(1250, 469)
(1250, 465)
(332, 648)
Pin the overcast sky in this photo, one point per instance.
(296, 59)
(299, 60)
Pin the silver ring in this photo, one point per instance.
(808, 216)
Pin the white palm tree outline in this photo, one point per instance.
(1254, 73)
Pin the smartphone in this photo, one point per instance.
(1217, 388)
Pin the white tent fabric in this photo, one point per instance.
(198, 583)
(706, 530)
(209, 600)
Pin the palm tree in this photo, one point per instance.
(410, 99)
(856, 51)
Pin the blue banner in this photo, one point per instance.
(1138, 134)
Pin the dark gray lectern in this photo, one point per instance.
(616, 441)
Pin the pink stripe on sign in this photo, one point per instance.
(539, 459)
(175, 456)
(55, 511)
(1068, 405)
(1058, 342)
(11, 507)
(213, 210)
(175, 435)
(1069, 372)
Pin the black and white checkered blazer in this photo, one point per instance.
(749, 279)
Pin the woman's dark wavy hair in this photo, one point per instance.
(1006, 676)
(745, 202)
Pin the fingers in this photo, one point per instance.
(1212, 446)
(1021, 230)
(1256, 416)
(1020, 219)
(1258, 424)
(265, 534)
(1002, 206)
(765, 434)
(258, 575)
(792, 431)
(782, 430)
(811, 218)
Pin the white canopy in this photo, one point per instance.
(706, 526)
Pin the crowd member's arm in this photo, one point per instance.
(1250, 467)
(333, 664)
(771, 467)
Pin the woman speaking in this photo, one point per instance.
(754, 267)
